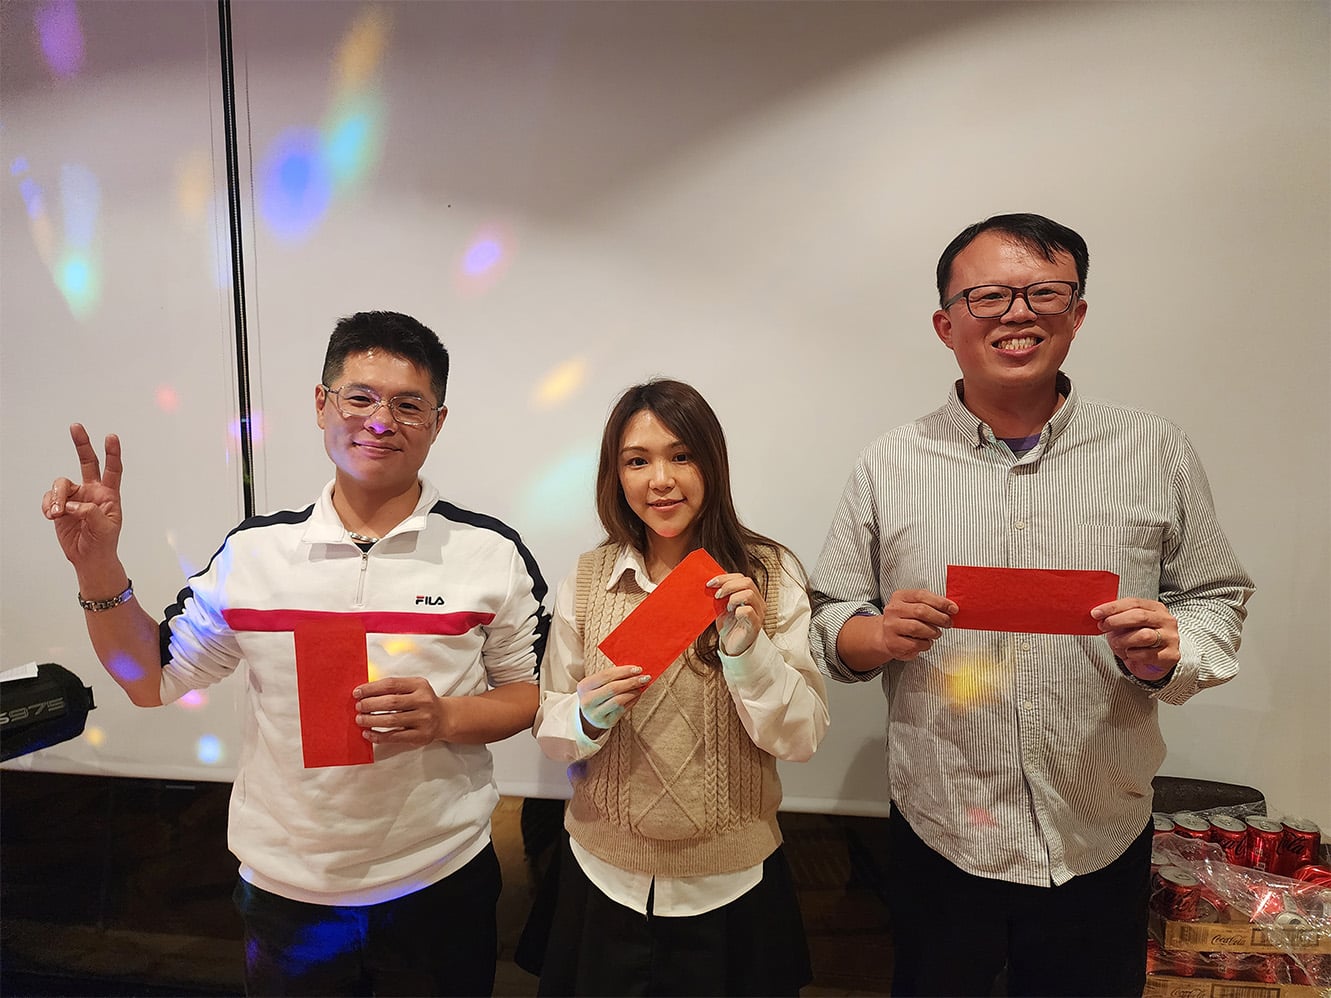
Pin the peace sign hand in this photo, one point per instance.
(88, 516)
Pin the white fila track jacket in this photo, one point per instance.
(450, 595)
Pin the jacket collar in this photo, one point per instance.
(325, 527)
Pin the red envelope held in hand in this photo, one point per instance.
(1028, 600)
(669, 619)
(331, 661)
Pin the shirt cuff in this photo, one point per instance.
(586, 746)
(750, 672)
(1150, 684)
(838, 669)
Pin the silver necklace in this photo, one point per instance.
(362, 538)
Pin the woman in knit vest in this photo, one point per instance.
(672, 880)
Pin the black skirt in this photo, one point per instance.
(591, 945)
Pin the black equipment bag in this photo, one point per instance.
(42, 710)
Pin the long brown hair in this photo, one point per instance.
(717, 528)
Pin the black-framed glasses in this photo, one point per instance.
(992, 301)
(358, 402)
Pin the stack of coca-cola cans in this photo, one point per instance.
(1281, 847)
(1287, 848)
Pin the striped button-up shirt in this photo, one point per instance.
(1029, 757)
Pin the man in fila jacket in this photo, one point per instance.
(388, 636)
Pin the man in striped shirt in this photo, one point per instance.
(1020, 764)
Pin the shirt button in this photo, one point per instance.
(1025, 646)
(1020, 524)
(1026, 705)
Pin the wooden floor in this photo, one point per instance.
(113, 886)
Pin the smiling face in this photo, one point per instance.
(1012, 360)
(661, 483)
(375, 455)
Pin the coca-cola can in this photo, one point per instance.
(1299, 840)
(1266, 968)
(1262, 847)
(1314, 874)
(1176, 893)
(1162, 824)
(1184, 963)
(1191, 825)
(1228, 966)
(1230, 834)
(1309, 969)
(1157, 959)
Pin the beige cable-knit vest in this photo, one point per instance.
(679, 789)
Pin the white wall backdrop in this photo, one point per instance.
(578, 196)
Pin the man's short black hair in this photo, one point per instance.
(1034, 231)
(394, 333)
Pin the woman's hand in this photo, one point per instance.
(744, 614)
(604, 697)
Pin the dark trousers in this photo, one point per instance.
(440, 940)
(952, 933)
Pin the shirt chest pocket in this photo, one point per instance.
(1133, 552)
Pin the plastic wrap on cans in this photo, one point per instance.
(1311, 874)
(1264, 928)
(1162, 824)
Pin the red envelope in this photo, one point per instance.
(1028, 600)
(331, 661)
(669, 619)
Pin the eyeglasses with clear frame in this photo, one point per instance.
(992, 301)
(358, 402)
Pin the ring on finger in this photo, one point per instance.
(1159, 640)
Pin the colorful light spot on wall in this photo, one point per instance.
(484, 261)
(167, 399)
(305, 168)
(193, 700)
(209, 750)
(362, 49)
(295, 184)
(94, 736)
(61, 36)
(72, 263)
(568, 483)
(194, 185)
(78, 282)
(482, 255)
(560, 384)
(353, 139)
